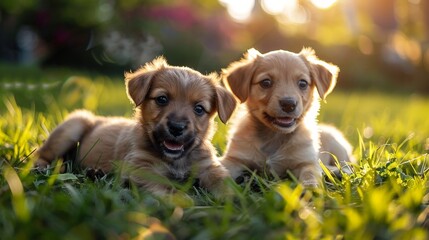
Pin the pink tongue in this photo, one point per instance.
(284, 120)
(173, 146)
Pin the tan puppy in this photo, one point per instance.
(169, 137)
(334, 148)
(278, 131)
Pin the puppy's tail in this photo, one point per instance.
(65, 137)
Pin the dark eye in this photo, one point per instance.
(266, 83)
(302, 84)
(161, 100)
(199, 110)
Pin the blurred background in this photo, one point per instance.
(377, 44)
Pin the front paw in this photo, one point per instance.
(310, 183)
(41, 164)
(222, 190)
(309, 176)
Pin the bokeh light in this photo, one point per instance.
(240, 11)
(323, 4)
(296, 14)
(275, 7)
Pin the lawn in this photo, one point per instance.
(385, 198)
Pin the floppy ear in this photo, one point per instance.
(239, 74)
(138, 83)
(324, 74)
(225, 103)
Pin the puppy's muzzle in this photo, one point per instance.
(175, 137)
(177, 128)
(288, 104)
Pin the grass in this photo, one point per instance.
(385, 198)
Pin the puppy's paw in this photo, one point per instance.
(310, 183)
(310, 176)
(41, 164)
(223, 190)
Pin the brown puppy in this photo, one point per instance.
(169, 137)
(278, 131)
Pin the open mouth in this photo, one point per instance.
(173, 148)
(283, 122)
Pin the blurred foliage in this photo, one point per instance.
(381, 44)
(108, 35)
(55, 88)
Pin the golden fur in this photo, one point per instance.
(277, 130)
(334, 148)
(170, 136)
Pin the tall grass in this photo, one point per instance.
(385, 198)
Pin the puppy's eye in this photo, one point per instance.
(199, 110)
(266, 83)
(302, 84)
(161, 100)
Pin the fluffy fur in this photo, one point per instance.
(169, 138)
(277, 131)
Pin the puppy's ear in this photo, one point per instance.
(324, 74)
(138, 83)
(225, 103)
(238, 75)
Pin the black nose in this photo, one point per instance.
(176, 128)
(288, 104)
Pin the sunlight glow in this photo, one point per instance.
(414, 1)
(299, 15)
(274, 7)
(239, 10)
(323, 4)
(293, 13)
